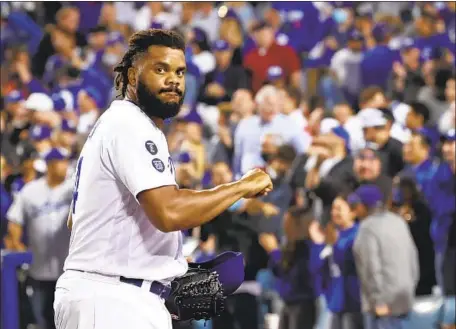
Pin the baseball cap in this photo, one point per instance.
(275, 73)
(371, 117)
(39, 102)
(98, 28)
(366, 152)
(193, 117)
(63, 101)
(115, 37)
(39, 132)
(450, 135)
(156, 25)
(199, 35)
(380, 31)
(327, 125)
(355, 35)
(407, 44)
(14, 96)
(369, 195)
(220, 45)
(56, 154)
(94, 94)
(68, 126)
(260, 25)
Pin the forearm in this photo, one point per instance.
(194, 208)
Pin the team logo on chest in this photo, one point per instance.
(158, 165)
(151, 147)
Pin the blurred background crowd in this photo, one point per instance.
(348, 106)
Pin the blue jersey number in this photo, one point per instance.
(76, 184)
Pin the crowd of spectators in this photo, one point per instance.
(348, 106)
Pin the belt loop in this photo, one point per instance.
(146, 285)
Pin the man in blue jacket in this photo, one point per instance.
(378, 61)
(442, 198)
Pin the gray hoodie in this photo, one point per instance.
(387, 263)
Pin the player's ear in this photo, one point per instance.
(132, 76)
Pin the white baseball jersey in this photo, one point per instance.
(124, 154)
(43, 211)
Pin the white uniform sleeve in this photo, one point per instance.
(16, 213)
(140, 159)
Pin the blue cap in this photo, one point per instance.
(380, 31)
(199, 35)
(342, 133)
(369, 195)
(94, 94)
(68, 125)
(260, 25)
(450, 135)
(156, 25)
(230, 268)
(275, 73)
(193, 117)
(408, 43)
(38, 132)
(14, 96)
(355, 35)
(220, 45)
(56, 154)
(231, 13)
(115, 37)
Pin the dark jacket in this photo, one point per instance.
(232, 79)
(391, 156)
(46, 49)
(294, 280)
(412, 85)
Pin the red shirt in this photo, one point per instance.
(276, 55)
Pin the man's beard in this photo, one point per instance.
(154, 107)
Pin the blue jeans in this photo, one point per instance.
(324, 315)
(438, 263)
(448, 316)
(385, 322)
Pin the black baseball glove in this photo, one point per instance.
(198, 295)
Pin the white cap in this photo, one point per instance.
(39, 102)
(327, 124)
(371, 117)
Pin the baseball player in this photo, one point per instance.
(127, 210)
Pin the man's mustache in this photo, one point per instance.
(172, 90)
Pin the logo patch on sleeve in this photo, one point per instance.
(151, 147)
(158, 164)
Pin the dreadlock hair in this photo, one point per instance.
(138, 44)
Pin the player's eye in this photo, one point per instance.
(160, 70)
(180, 73)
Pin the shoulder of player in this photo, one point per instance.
(125, 118)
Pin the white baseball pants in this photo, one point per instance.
(94, 301)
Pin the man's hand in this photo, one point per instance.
(215, 90)
(256, 183)
(268, 241)
(382, 310)
(316, 233)
(269, 209)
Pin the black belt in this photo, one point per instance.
(156, 288)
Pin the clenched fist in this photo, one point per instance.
(256, 183)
